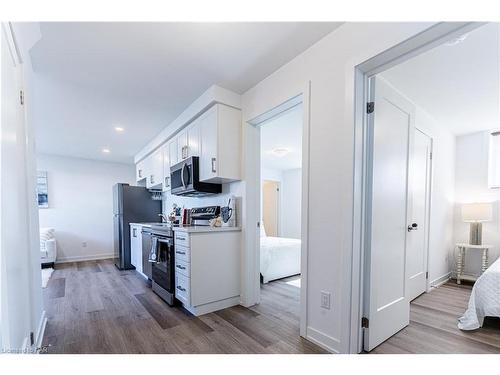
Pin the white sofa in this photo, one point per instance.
(48, 248)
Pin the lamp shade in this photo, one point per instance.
(477, 212)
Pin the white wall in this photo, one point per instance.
(291, 190)
(472, 186)
(329, 66)
(81, 204)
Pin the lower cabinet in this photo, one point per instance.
(207, 270)
(136, 247)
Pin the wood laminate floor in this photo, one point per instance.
(433, 326)
(94, 308)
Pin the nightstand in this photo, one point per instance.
(462, 249)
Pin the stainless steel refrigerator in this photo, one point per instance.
(131, 204)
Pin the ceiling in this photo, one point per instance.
(91, 77)
(283, 131)
(456, 83)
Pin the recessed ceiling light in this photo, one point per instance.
(106, 150)
(119, 129)
(280, 151)
(457, 40)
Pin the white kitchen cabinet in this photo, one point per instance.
(182, 145)
(139, 171)
(207, 269)
(220, 144)
(193, 138)
(166, 168)
(155, 175)
(172, 150)
(136, 246)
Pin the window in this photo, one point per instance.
(494, 161)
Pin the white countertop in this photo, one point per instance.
(205, 229)
(195, 228)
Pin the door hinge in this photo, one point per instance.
(430, 155)
(370, 107)
(21, 97)
(32, 338)
(365, 322)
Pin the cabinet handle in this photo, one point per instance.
(167, 183)
(181, 252)
(134, 232)
(181, 288)
(181, 267)
(184, 152)
(151, 178)
(140, 173)
(213, 165)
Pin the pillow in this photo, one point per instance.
(262, 230)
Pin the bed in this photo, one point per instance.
(279, 257)
(484, 300)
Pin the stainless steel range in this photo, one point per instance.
(161, 259)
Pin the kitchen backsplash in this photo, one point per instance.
(213, 200)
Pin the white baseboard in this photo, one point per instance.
(81, 258)
(41, 330)
(440, 280)
(326, 342)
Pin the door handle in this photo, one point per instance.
(414, 226)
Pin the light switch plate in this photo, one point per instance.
(325, 300)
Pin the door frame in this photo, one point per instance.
(252, 155)
(424, 41)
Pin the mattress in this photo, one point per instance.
(484, 299)
(279, 257)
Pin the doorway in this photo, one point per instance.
(279, 154)
(394, 169)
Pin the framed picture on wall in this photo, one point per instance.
(42, 189)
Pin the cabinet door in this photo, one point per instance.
(182, 146)
(139, 171)
(193, 137)
(155, 176)
(208, 136)
(172, 150)
(166, 167)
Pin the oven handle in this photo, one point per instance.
(182, 176)
(163, 240)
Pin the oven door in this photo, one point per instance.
(181, 177)
(163, 268)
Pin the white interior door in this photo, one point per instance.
(420, 166)
(386, 306)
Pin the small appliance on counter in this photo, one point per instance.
(203, 215)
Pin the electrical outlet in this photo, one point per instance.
(84, 244)
(325, 300)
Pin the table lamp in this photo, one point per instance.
(476, 214)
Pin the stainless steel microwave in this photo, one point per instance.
(185, 179)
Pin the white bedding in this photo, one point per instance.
(484, 299)
(279, 257)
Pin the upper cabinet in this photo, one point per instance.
(188, 141)
(166, 167)
(155, 171)
(220, 144)
(215, 137)
(140, 173)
